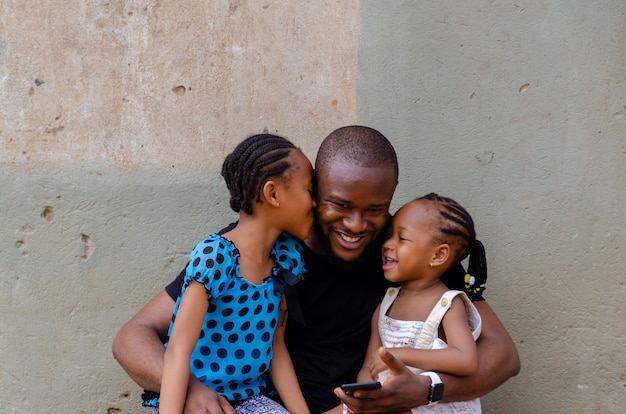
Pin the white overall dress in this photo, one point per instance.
(424, 335)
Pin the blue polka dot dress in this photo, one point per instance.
(234, 349)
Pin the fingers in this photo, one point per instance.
(400, 391)
(203, 400)
(214, 405)
(376, 366)
(361, 401)
(226, 407)
(394, 364)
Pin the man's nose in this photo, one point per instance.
(355, 222)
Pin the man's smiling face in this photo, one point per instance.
(353, 206)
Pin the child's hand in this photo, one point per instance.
(202, 399)
(376, 365)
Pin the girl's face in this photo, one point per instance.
(410, 247)
(297, 198)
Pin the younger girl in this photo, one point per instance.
(228, 323)
(428, 236)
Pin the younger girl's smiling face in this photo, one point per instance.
(411, 245)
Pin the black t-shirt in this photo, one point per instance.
(337, 303)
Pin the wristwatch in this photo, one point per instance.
(436, 387)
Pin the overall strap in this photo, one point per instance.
(385, 304)
(430, 329)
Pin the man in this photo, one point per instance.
(357, 173)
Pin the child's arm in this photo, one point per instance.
(281, 369)
(182, 341)
(459, 358)
(372, 351)
(373, 354)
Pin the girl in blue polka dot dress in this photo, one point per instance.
(228, 323)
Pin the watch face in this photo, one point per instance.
(436, 393)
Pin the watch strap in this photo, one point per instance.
(436, 387)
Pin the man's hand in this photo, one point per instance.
(203, 400)
(401, 391)
(376, 365)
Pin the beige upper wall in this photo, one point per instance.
(132, 85)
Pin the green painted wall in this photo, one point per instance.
(116, 116)
(518, 111)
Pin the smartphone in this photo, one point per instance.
(350, 388)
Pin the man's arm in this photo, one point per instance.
(497, 361)
(138, 346)
(139, 349)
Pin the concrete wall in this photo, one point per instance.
(116, 116)
(518, 111)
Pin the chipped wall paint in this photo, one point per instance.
(141, 85)
(115, 119)
(516, 110)
(116, 115)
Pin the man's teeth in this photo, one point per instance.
(349, 239)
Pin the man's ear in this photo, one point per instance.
(440, 255)
(269, 193)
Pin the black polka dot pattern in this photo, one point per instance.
(235, 345)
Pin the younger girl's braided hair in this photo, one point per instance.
(457, 229)
(252, 162)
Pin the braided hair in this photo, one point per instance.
(252, 162)
(456, 228)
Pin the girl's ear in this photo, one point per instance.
(440, 255)
(269, 193)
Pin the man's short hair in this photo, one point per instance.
(357, 145)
